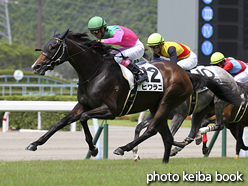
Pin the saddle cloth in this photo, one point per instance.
(154, 82)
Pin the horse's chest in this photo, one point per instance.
(91, 101)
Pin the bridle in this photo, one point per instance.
(62, 50)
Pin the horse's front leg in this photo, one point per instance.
(73, 116)
(219, 106)
(100, 112)
(176, 123)
(89, 139)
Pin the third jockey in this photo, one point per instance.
(238, 69)
(130, 44)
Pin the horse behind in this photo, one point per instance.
(102, 89)
(235, 119)
(196, 105)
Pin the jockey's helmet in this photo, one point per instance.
(216, 58)
(155, 39)
(96, 23)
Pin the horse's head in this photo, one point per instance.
(51, 55)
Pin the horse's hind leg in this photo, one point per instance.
(172, 98)
(167, 140)
(145, 123)
(237, 130)
(73, 116)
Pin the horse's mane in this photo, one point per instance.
(84, 40)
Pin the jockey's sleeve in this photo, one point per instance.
(117, 38)
(173, 53)
(228, 66)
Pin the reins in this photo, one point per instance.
(59, 61)
(65, 59)
(88, 80)
(62, 45)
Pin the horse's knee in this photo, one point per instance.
(170, 138)
(218, 127)
(84, 117)
(151, 131)
(205, 123)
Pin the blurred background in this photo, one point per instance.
(31, 24)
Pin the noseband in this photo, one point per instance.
(56, 61)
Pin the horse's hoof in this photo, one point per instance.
(179, 144)
(94, 152)
(205, 151)
(137, 158)
(31, 147)
(198, 141)
(119, 151)
(173, 153)
(165, 162)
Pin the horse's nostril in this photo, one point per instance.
(36, 67)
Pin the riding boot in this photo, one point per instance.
(140, 76)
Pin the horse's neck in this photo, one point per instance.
(85, 63)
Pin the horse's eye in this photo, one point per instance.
(53, 47)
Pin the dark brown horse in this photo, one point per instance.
(235, 119)
(102, 90)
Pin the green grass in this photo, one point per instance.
(128, 123)
(116, 172)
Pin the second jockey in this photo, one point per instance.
(177, 52)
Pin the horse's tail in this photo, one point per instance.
(223, 91)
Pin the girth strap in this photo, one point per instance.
(193, 103)
(129, 101)
(240, 113)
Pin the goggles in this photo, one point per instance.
(154, 47)
(94, 32)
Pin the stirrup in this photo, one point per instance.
(141, 79)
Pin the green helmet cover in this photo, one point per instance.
(216, 58)
(96, 23)
(155, 39)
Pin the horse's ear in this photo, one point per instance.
(63, 35)
(54, 32)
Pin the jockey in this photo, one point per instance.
(130, 44)
(177, 52)
(238, 69)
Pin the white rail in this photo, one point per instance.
(22, 106)
(8, 106)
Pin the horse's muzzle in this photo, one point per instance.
(40, 69)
